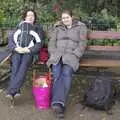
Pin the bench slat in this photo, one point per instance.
(103, 48)
(99, 63)
(104, 35)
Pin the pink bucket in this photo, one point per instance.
(42, 97)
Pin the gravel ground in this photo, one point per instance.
(24, 108)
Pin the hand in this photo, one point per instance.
(19, 50)
(26, 50)
(22, 50)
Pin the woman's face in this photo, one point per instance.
(66, 19)
(30, 17)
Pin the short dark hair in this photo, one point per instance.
(67, 11)
(25, 13)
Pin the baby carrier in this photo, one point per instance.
(26, 36)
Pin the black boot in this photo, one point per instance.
(59, 110)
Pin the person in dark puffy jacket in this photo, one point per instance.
(22, 57)
(66, 47)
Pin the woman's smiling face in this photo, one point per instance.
(30, 17)
(66, 19)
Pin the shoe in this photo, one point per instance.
(9, 96)
(58, 110)
(10, 100)
(17, 95)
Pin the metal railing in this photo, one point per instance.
(6, 28)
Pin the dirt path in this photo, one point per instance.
(25, 110)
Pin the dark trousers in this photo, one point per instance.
(20, 64)
(62, 75)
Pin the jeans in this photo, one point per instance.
(20, 64)
(62, 79)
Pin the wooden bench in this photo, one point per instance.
(107, 56)
(99, 61)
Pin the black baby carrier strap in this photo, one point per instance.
(25, 37)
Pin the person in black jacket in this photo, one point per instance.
(22, 56)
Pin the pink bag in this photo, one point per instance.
(41, 90)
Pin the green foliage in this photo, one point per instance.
(118, 24)
(11, 12)
(104, 42)
(49, 10)
(96, 12)
(1, 15)
(101, 21)
(45, 13)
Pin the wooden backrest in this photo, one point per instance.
(103, 35)
(102, 62)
